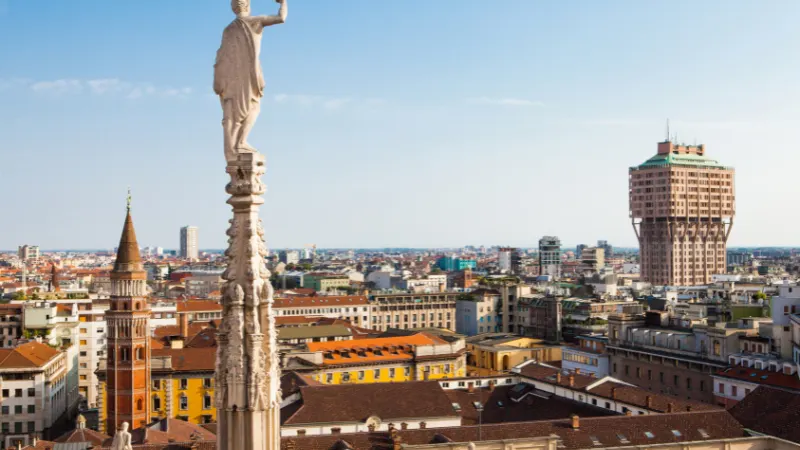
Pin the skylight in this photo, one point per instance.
(595, 441)
(703, 433)
(649, 435)
(623, 439)
(677, 433)
(456, 406)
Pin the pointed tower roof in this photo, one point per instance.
(128, 258)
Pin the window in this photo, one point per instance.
(336, 430)
(83, 342)
(207, 401)
(184, 402)
(139, 404)
(31, 427)
(360, 375)
(702, 386)
(407, 371)
(689, 383)
(17, 427)
(5, 410)
(156, 403)
(733, 390)
(17, 392)
(661, 377)
(156, 385)
(207, 383)
(345, 377)
(5, 428)
(615, 367)
(84, 330)
(676, 380)
(608, 405)
(184, 384)
(31, 392)
(110, 353)
(31, 409)
(721, 388)
(329, 378)
(376, 373)
(627, 369)
(638, 372)
(391, 373)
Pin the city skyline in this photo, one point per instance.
(563, 96)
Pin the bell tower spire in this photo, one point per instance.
(128, 363)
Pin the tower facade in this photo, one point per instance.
(128, 322)
(682, 205)
(189, 247)
(550, 256)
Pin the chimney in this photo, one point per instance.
(185, 325)
(577, 371)
(491, 386)
(470, 388)
(576, 422)
(689, 408)
(629, 413)
(571, 380)
(648, 402)
(670, 407)
(614, 393)
(558, 377)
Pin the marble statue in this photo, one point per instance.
(237, 75)
(122, 439)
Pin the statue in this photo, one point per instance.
(122, 439)
(237, 75)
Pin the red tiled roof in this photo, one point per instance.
(198, 306)
(606, 430)
(189, 359)
(772, 411)
(763, 377)
(28, 355)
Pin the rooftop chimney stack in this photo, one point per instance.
(670, 407)
(648, 401)
(571, 380)
(614, 393)
(576, 422)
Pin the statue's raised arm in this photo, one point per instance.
(238, 79)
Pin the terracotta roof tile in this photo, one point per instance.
(189, 359)
(321, 301)
(771, 411)
(389, 401)
(28, 355)
(763, 377)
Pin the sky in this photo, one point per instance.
(390, 123)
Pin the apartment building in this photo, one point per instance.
(354, 308)
(37, 390)
(648, 351)
(587, 356)
(413, 310)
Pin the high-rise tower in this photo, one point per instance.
(128, 321)
(189, 242)
(682, 205)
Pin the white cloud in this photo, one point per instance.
(100, 87)
(508, 101)
(335, 103)
(57, 87)
(108, 86)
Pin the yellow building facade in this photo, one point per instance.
(384, 360)
(500, 351)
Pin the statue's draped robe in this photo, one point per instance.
(122, 441)
(237, 73)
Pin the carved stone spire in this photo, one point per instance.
(248, 376)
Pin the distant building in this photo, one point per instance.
(607, 248)
(739, 258)
(476, 312)
(682, 205)
(588, 356)
(504, 351)
(579, 250)
(453, 264)
(550, 256)
(323, 282)
(289, 256)
(28, 252)
(189, 247)
(593, 258)
(509, 260)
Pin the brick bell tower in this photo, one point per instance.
(128, 322)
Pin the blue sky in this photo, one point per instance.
(393, 123)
